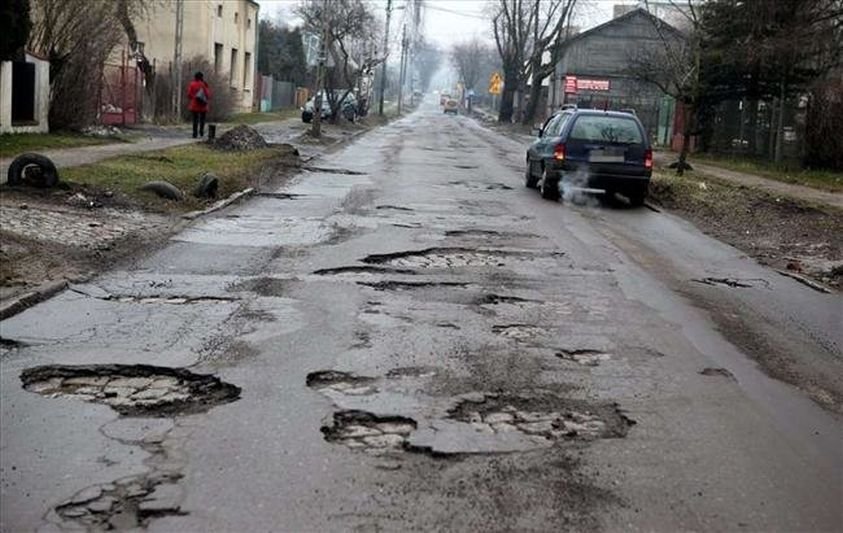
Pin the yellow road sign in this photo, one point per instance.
(495, 83)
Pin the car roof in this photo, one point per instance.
(597, 112)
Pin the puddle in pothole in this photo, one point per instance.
(132, 390)
(583, 356)
(394, 285)
(369, 432)
(446, 258)
(542, 416)
(361, 269)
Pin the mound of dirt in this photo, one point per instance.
(241, 138)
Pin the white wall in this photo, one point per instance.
(42, 97)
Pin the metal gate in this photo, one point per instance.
(120, 97)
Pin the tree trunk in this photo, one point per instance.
(535, 99)
(510, 84)
(687, 128)
(522, 90)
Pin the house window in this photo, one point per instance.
(217, 57)
(247, 67)
(219, 10)
(232, 73)
(236, 17)
(249, 22)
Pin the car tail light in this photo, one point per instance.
(559, 152)
(648, 158)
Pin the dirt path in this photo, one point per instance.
(771, 186)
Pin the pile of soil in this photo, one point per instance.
(241, 138)
(781, 232)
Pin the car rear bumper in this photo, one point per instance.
(587, 177)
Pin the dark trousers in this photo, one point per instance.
(198, 124)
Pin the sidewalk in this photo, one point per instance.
(771, 186)
(71, 157)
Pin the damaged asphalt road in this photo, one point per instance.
(417, 341)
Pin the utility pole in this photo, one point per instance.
(316, 125)
(177, 73)
(385, 56)
(402, 67)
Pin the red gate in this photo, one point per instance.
(120, 93)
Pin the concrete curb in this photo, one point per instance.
(27, 300)
(220, 204)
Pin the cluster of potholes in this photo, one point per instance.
(136, 392)
(452, 257)
(543, 418)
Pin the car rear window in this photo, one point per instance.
(597, 128)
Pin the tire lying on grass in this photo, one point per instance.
(34, 169)
(163, 189)
(207, 187)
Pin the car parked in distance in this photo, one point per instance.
(444, 97)
(348, 108)
(452, 106)
(597, 151)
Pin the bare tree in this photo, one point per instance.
(672, 63)
(468, 58)
(511, 23)
(525, 31)
(352, 38)
(547, 35)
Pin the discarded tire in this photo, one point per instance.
(34, 169)
(208, 186)
(163, 189)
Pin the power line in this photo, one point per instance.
(454, 12)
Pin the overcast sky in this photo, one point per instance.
(449, 21)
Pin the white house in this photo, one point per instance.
(25, 95)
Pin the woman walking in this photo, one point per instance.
(198, 96)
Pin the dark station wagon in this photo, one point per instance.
(593, 151)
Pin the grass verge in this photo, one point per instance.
(818, 179)
(12, 144)
(781, 232)
(181, 166)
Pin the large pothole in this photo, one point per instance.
(444, 258)
(132, 390)
(369, 432)
(541, 415)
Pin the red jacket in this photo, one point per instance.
(194, 104)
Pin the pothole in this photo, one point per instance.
(583, 356)
(411, 372)
(480, 185)
(519, 332)
(281, 195)
(545, 416)
(369, 432)
(721, 372)
(488, 233)
(342, 382)
(132, 390)
(394, 208)
(10, 344)
(495, 299)
(442, 258)
(365, 269)
(466, 167)
(125, 504)
(729, 282)
(326, 170)
(392, 285)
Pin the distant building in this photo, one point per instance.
(594, 70)
(25, 95)
(223, 31)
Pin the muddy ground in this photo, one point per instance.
(77, 230)
(787, 234)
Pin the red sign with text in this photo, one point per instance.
(573, 85)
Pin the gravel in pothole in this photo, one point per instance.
(132, 390)
(342, 382)
(547, 416)
(441, 258)
(369, 432)
(585, 357)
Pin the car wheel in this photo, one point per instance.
(306, 117)
(549, 186)
(530, 180)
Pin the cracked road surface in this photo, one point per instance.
(404, 337)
